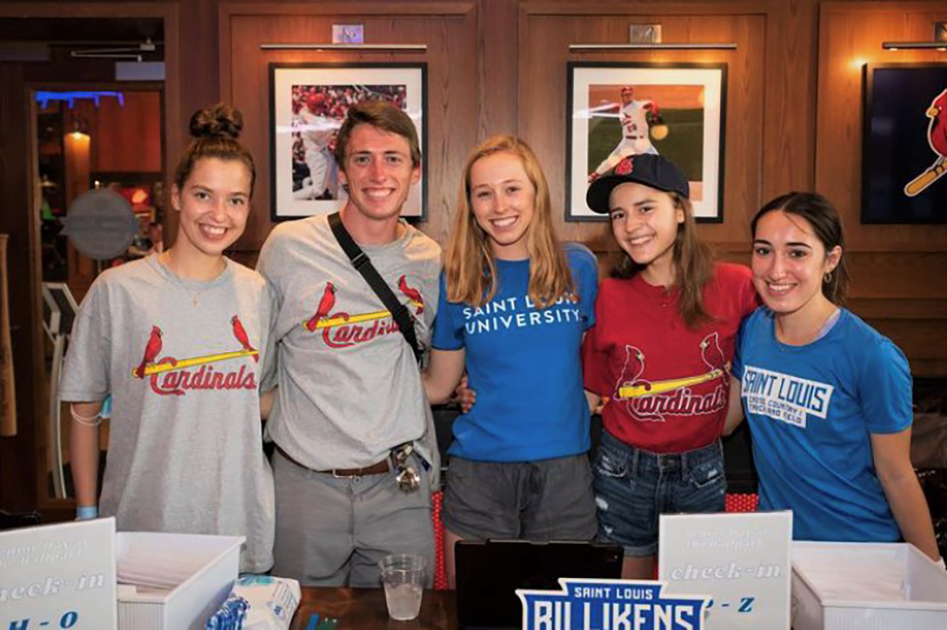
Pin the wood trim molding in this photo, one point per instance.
(229, 9)
(86, 9)
(547, 8)
(898, 6)
(912, 308)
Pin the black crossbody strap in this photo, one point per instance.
(364, 266)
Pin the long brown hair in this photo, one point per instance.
(470, 266)
(693, 263)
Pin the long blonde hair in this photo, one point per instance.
(470, 265)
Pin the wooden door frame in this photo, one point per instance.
(44, 501)
(28, 445)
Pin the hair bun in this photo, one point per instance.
(218, 121)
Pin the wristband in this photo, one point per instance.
(86, 512)
(941, 564)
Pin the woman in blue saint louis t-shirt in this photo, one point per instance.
(828, 398)
(514, 304)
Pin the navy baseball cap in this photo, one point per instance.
(650, 170)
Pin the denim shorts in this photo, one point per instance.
(549, 499)
(633, 487)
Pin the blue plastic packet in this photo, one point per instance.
(230, 616)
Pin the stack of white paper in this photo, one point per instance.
(158, 566)
(871, 574)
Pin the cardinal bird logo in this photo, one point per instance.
(325, 307)
(152, 348)
(630, 384)
(411, 293)
(172, 375)
(241, 335)
(711, 354)
(652, 401)
(937, 138)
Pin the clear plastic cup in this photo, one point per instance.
(403, 577)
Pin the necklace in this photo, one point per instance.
(165, 259)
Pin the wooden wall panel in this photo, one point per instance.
(851, 34)
(547, 29)
(789, 117)
(17, 454)
(497, 47)
(898, 270)
(126, 138)
(451, 34)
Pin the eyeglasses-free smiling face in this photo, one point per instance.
(213, 205)
(503, 201)
(378, 172)
(790, 263)
(645, 222)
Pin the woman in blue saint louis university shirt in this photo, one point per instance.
(514, 304)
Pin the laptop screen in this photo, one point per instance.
(488, 574)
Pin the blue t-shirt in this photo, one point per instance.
(812, 410)
(525, 365)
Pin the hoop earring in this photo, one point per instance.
(827, 278)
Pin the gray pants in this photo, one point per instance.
(333, 531)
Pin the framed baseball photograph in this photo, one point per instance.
(904, 144)
(308, 103)
(619, 109)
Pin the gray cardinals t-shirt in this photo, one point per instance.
(349, 385)
(183, 361)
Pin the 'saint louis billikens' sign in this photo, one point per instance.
(595, 604)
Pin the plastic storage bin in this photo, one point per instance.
(202, 570)
(866, 586)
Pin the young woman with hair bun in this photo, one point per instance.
(178, 339)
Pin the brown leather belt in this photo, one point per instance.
(378, 468)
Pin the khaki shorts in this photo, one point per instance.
(549, 499)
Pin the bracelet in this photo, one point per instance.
(89, 421)
(86, 512)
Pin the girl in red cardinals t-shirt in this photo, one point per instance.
(659, 357)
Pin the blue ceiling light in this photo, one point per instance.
(43, 97)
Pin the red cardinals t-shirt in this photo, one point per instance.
(667, 385)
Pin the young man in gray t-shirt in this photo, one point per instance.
(349, 385)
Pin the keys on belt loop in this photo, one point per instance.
(406, 476)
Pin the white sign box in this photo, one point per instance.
(741, 560)
(58, 577)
